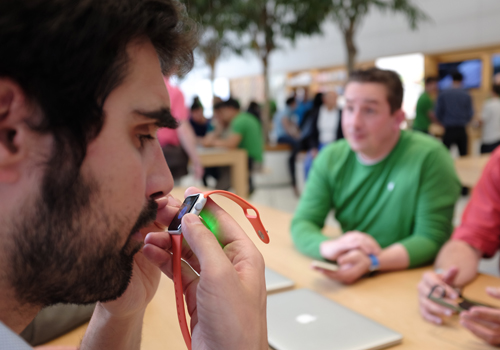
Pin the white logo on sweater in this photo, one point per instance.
(390, 186)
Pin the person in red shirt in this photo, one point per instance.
(457, 263)
(179, 145)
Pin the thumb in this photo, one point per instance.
(493, 291)
(202, 242)
(450, 275)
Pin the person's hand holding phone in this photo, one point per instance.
(351, 267)
(484, 322)
(352, 240)
(227, 300)
(430, 310)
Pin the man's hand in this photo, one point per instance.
(352, 266)
(484, 322)
(429, 310)
(352, 240)
(227, 302)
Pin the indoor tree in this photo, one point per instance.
(348, 14)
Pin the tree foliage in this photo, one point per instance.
(263, 26)
(348, 14)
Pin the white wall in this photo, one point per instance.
(455, 24)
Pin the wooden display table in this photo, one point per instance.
(389, 298)
(469, 169)
(237, 159)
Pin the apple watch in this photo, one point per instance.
(375, 264)
(194, 204)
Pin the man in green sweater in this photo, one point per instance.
(393, 192)
(245, 133)
(425, 106)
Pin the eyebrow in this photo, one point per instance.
(366, 101)
(162, 116)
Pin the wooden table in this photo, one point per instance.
(470, 168)
(390, 299)
(237, 159)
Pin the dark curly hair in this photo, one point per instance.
(68, 55)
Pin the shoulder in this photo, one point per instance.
(335, 151)
(419, 145)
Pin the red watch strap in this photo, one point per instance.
(179, 291)
(254, 219)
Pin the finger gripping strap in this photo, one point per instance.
(253, 218)
(179, 293)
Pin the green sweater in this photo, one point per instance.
(407, 198)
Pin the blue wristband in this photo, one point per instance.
(375, 265)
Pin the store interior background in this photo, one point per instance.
(458, 30)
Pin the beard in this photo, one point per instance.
(65, 246)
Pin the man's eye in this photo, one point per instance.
(145, 137)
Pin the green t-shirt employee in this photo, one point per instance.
(425, 107)
(392, 191)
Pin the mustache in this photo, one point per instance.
(146, 217)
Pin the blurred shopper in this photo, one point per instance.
(393, 191)
(457, 263)
(287, 131)
(303, 106)
(490, 120)
(326, 127)
(197, 119)
(425, 106)
(255, 110)
(179, 145)
(454, 111)
(245, 133)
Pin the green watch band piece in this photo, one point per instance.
(211, 223)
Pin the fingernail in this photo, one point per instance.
(447, 312)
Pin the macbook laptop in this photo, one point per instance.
(302, 319)
(275, 281)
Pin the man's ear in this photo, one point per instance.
(13, 129)
(400, 117)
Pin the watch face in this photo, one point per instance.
(185, 208)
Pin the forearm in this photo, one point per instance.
(107, 332)
(224, 143)
(432, 117)
(393, 258)
(307, 237)
(187, 138)
(461, 255)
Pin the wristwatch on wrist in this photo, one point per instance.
(194, 205)
(375, 264)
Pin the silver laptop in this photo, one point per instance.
(276, 281)
(302, 319)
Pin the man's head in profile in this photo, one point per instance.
(81, 98)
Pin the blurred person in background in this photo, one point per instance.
(245, 132)
(303, 106)
(179, 145)
(392, 191)
(197, 119)
(490, 121)
(255, 110)
(454, 111)
(325, 127)
(478, 236)
(287, 131)
(425, 106)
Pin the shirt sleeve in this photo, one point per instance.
(238, 126)
(470, 107)
(480, 225)
(439, 190)
(314, 205)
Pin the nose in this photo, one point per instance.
(159, 179)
